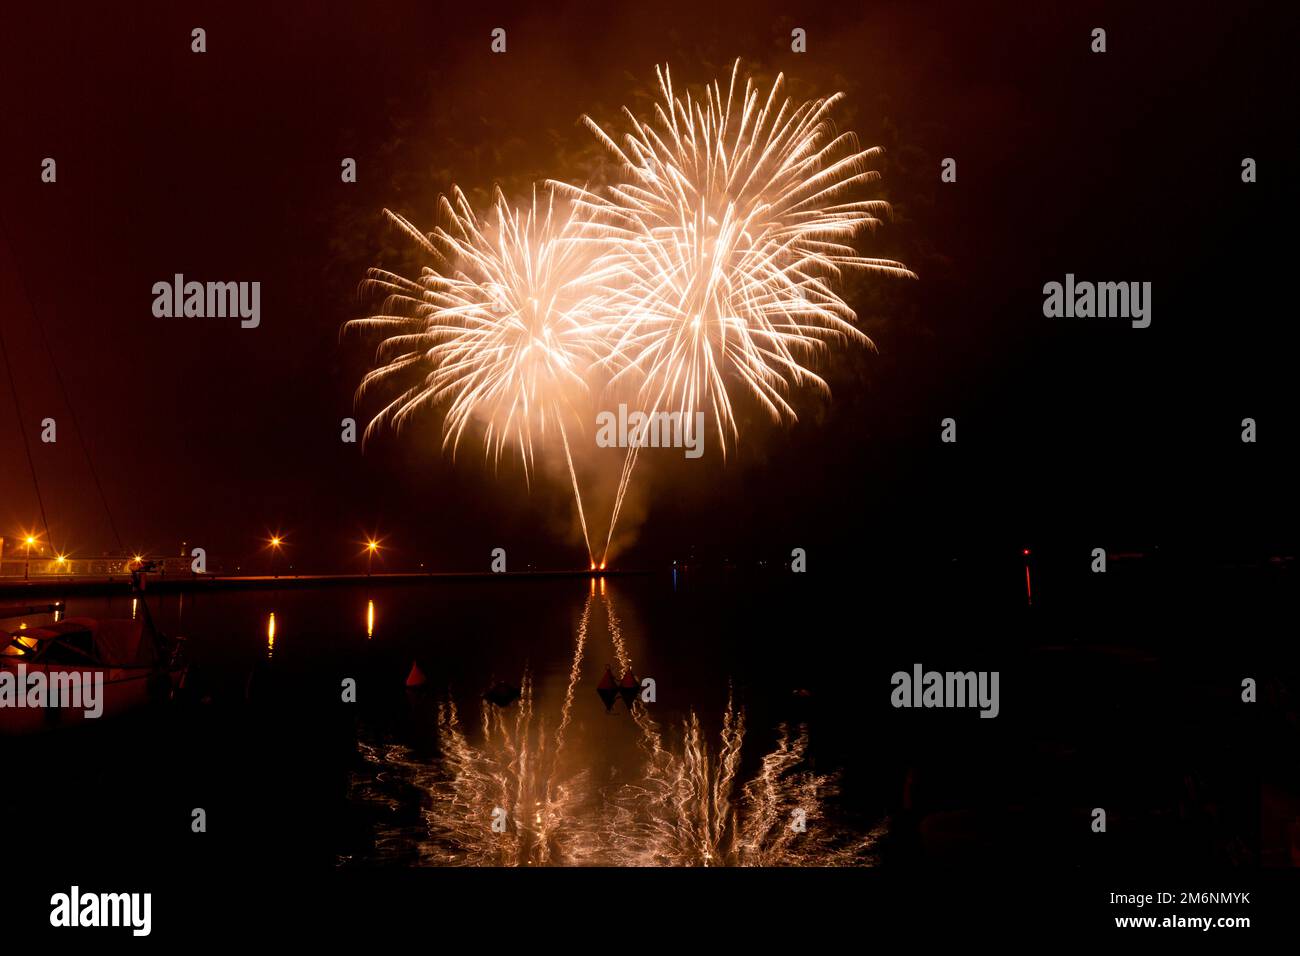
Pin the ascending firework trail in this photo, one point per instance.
(705, 275)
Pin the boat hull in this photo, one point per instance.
(125, 689)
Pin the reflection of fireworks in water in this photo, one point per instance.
(512, 769)
(683, 806)
(684, 811)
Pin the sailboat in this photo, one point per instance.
(105, 667)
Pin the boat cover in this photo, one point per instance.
(123, 642)
(113, 642)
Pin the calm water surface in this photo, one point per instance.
(743, 757)
(290, 775)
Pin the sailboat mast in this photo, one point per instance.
(22, 430)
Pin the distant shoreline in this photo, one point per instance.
(119, 584)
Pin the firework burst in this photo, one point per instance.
(502, 333)
(708, 275)
(734, 225)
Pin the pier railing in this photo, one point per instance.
(16, 566)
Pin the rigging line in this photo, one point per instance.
(63, 389)
(13, 387)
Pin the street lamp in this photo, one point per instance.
(371, 547)
(27, 561)
(275, 543)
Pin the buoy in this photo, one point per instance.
(628, 687)
(416, 678)
(607, 690)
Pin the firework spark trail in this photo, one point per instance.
(505, 330)
(577, 495)
(734, 219)
(629, 462)
(728, 249)
(704, 277)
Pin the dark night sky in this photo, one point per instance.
(1123, 166)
